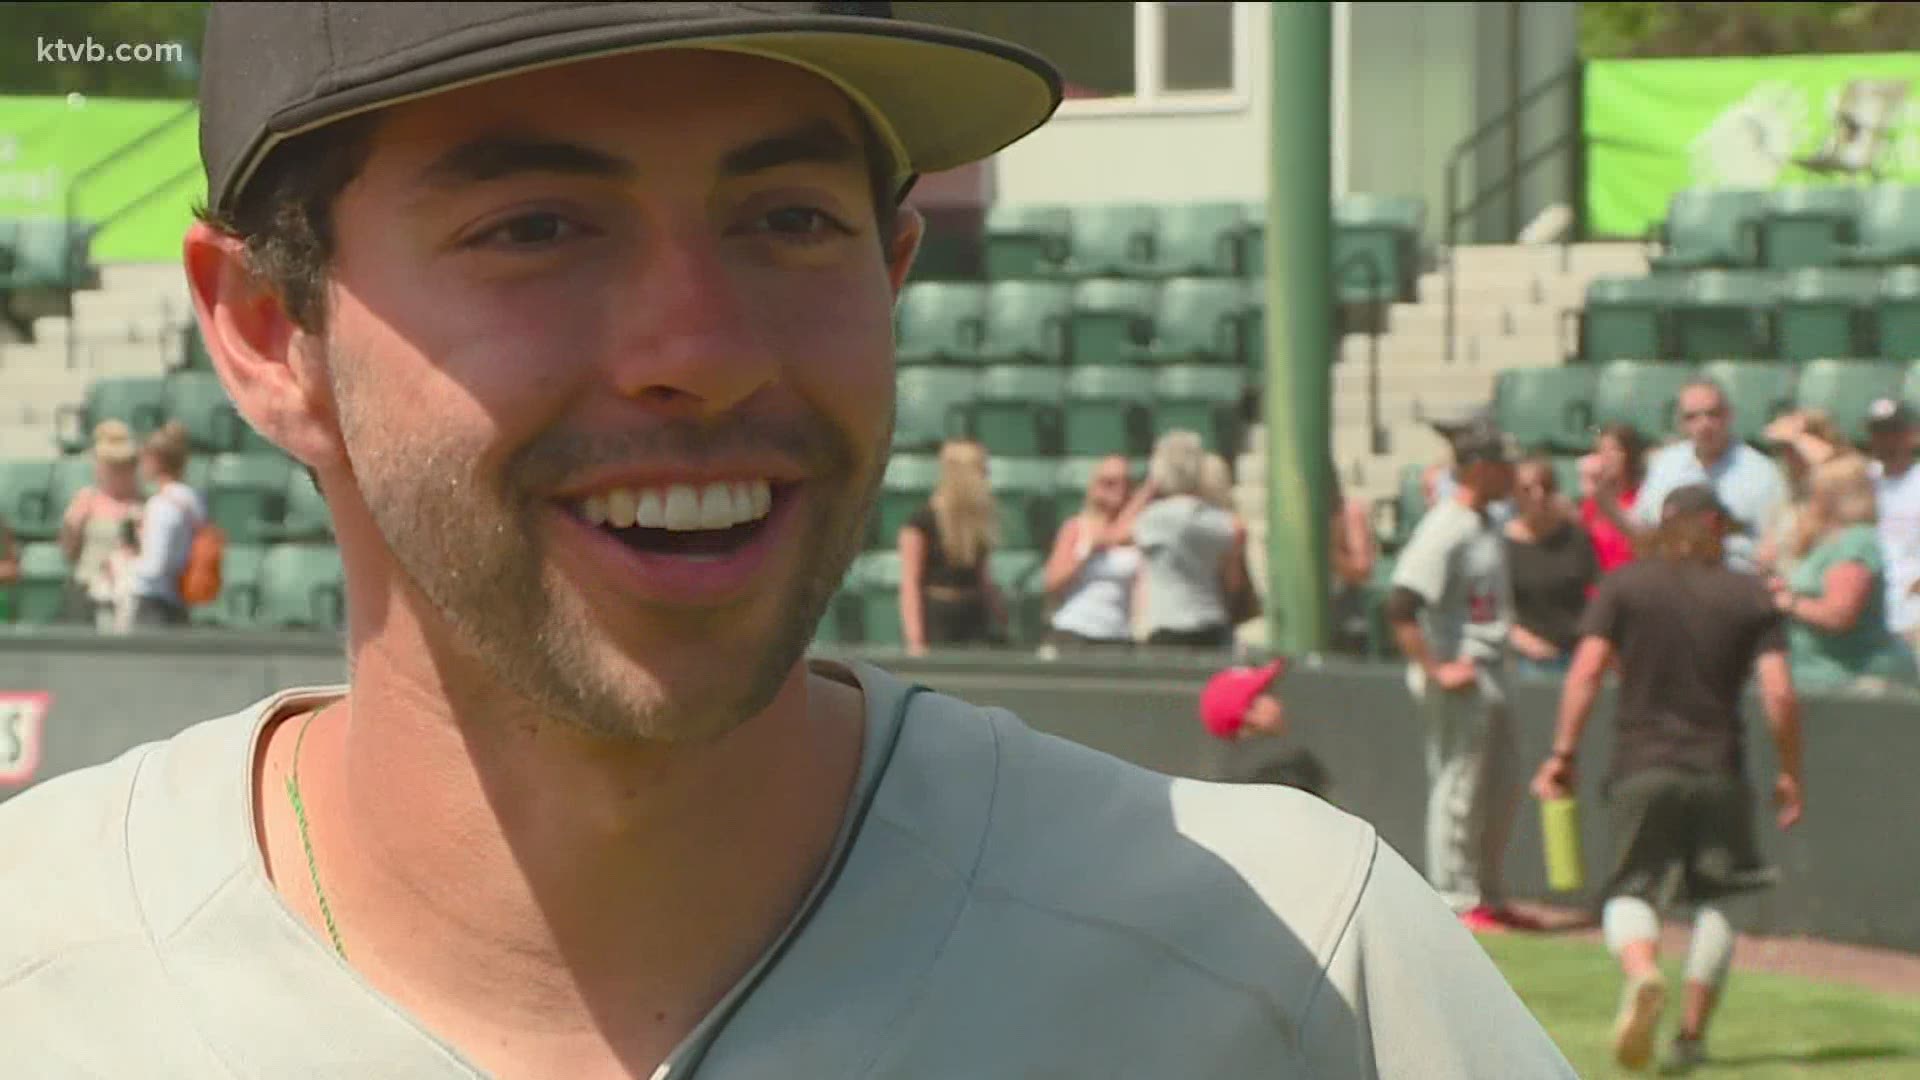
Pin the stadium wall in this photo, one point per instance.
(1846, 869)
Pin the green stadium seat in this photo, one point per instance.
(1111, 241)
(1546, 409)
(1825, 311)
(26, 500)
(1807, 226)
(1251, 244)
(1204, 321)
(1910, 387)
(1016, 410)
(940, 322)
(1027, 322)
(1566, 474)
(302, 586)
(238, 605)
(1641, 393)
(1111, 321)
(1897, 314)
(1844, 389)
(247, 495)
(199, 402)
(1710, 228)
(1017, 573)
(1376, 240)
(1396, 515)
(875, 584)
(929, 406)
(71, 472)
(1108, 411)
(1205, 400)
(307, 516)
(49, 253)
(1198, 240)
(40, 596)
(140, 401)
(1758, 391)
(905, 488)
(1625, 319)
(1724, 315)
(1024, 490)
(1889, 228)
(1026, 241)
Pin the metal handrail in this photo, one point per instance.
(69, 204)
(1508, 122)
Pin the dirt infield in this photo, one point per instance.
(1885, 971)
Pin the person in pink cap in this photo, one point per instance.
(1237, 702)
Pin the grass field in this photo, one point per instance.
(1768, 1027)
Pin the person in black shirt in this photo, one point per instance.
(1554, 569)
(1687, 634)
(947, 594)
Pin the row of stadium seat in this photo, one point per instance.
(1796, 316)
(1376, 242)
(194, 397)
(1560, 408)
(1791, 227)
(266, 587)
(866, 609)
(1035, 494)
(256, 497)
(44, 253)
(1097, 321)
(1034, 410)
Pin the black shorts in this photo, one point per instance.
(1683, 838)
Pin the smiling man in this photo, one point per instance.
(581, 316)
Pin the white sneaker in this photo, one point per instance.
(1638, 1021)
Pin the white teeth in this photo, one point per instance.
(716, 506)
(680, 507)
(594, 509)
(683, 508)
(653, 511)
(620, 508)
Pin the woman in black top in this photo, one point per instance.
(947, 595)
(1554, 569)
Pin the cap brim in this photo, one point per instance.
(938, 98)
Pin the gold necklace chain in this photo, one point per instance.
(306, 841)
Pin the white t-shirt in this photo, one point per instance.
(1899, 503)
(1010, 905)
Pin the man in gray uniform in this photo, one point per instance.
(1451, 607)
(582, 315)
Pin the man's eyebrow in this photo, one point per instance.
(815, 142)
(496, 157)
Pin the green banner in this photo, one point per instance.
(1655, 127)
(131, 166)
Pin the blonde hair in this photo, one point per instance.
(1176, 463)
(168, 448)
(1216, 481)
(1840, 494)
(963, 506)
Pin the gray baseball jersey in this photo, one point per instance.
(1456, 562)
(1008, 905)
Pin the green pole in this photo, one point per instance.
(1299, 377)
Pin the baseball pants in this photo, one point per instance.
(1473, 773)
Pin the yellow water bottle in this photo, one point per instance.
(1560, 826)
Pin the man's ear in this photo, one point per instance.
(271, 368)
(908, 230)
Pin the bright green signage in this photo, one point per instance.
(132, 166)
(1655, 127)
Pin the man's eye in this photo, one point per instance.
(803, 221)
(528, 230)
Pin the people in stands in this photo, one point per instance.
(1619, 470)
(1554, 568)
(1686, 634)
(90, 525)
(947, 593)
(113, 585)
(1089, 575)
(1190, 550)
(1890, 440)
(1451, 610)
(1836, 598)
(1216, 487)
(167, 523)
(9, 569)
(1801, 441)
(1748, 483)
(1352, 557)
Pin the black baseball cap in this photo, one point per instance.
(1698, 499)
(1888, 414)
(1474, 439)
(938, 98)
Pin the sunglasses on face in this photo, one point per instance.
(1703, 414)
